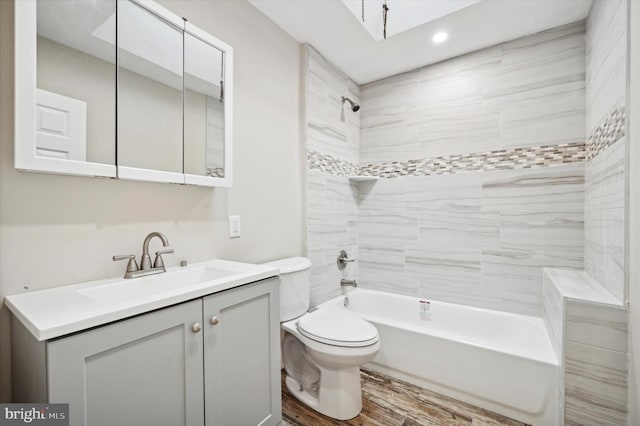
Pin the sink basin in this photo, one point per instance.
(154, 285)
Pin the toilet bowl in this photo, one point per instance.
(322, 350)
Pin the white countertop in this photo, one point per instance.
(62, 310)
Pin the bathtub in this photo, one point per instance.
(495, 360)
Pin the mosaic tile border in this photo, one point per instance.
(606, 134)
(330, 164)
(505, 159)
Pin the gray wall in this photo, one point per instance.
(56, 230)
(605, 172)
(490, 190)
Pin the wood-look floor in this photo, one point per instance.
(390, 402)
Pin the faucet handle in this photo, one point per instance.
(343, 259)
(158, 262)
(132, 265)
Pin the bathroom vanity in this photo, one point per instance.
(192, 346)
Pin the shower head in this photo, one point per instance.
(354, 106)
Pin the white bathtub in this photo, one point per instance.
(499, 361)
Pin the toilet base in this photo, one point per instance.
(339, 395)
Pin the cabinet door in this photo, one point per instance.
(241, 351)
(146, 370)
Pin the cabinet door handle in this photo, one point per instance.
(214, 320)
(196, 327)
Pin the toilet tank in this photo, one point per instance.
(295, 286)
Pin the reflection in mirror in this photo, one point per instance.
(150, 69)
(76, 80)
(203, 108)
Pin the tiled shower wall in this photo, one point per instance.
(483, 166)
(490, 151)
(605, 168)
(595, 355)
(331, 208)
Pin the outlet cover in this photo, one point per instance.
(234, 226)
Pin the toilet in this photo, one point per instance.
(322, 350)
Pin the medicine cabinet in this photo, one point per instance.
(121, 88)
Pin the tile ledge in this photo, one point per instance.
(580, 286)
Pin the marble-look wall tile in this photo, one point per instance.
(589, 332)
(331, 129)
(442, 264)
(449, 271)
(384, 218)
(383, 268)
(523, 93)
(553, 313)
(606, 48)
(332, 225)
(604, 218)
(516, 106)
(599, 325)
(515, 275)
(480, 239)
(526, 228)
(452, 229)
(605, 177)
(332, 141)
(547, 190)
(606, 145)
(596, 381)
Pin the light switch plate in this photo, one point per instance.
(234, 226)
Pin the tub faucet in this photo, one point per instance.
(348, 283)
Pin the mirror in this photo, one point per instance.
(67, 122)
(203, 108)
(89, 73)
(150, 83)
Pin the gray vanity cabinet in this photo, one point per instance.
(145, 370)
(212, 360)
(241, 351)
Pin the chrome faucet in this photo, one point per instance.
(145, 262)
(348, 283)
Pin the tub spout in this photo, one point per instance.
(348, 283)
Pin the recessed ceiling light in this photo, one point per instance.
(440, 37)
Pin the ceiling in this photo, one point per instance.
(330, 27)
(406, 14)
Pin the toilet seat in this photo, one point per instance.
(337, 328)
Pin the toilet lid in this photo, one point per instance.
(338, 328)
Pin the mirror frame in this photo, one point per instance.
(25, 84)
(227, 62)
(25, 80)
